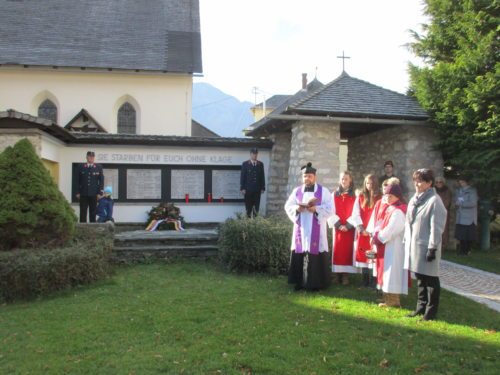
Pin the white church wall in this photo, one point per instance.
(130, 156)
(51, 148)
(164, 100)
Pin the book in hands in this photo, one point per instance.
(310, 203)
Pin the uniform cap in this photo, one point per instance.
(90, 153)
(254, 150)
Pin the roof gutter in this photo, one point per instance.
(363, 120)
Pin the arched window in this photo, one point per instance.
(48, 110)
(127, 119)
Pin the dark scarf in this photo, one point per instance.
(417, 203)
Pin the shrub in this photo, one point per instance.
(33, 212)
(256, 245)
(33, 272)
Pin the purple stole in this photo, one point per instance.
(314, 246)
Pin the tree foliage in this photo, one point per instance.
(459, 85)
(33, 212)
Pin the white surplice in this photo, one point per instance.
(323, 210)
(395, 277)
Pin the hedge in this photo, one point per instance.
(256, 245)
(28, 273)
(33, 212)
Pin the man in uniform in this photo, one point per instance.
(90, 185)
(252, 182)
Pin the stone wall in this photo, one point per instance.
(9, 137)
(316, 142)
(277, 178)
(409, 147)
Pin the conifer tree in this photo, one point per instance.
(33, 212)
(460, 85)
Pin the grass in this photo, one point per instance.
(190, 318)
(484, 260)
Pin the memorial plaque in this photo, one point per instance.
(143, 183)
(111, 179)
(187, 181)
(226, 184)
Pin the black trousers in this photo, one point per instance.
(465, 247)
(429, 290)
(90, 203)
(310, 271)
(252, 203)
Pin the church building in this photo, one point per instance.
(115, 77)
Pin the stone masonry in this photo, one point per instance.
(316, 142)
(10, 138)
(409, 147)
(278, 172)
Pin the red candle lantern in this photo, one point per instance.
(222, 199)
(209, 197)
(187, 198)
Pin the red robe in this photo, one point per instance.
(363, 242)
(343, 243)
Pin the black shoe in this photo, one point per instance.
(415, 313)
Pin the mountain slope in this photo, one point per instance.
(220, 112)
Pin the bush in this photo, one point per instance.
(29, 273)
(256, 245)
(33, 212)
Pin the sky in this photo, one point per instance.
(268, 44)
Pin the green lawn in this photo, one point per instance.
(189, 317)
(484, 260)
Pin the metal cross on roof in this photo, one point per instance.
(343, 57)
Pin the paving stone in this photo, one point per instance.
(478, 285)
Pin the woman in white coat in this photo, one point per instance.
(392, 278)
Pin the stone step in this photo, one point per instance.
(179, 242)
(145, 253)
(130, 226)
(140, 245)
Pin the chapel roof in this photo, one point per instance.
(144, 35)
(346, 97)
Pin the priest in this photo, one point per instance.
(308, 207)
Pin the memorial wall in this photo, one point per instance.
(170, 183)
(203, 182)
